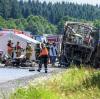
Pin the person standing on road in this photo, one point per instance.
(29, 51)
(37, 51)
(18, 49)
(53, 54)
(10, 48)
(43, 57)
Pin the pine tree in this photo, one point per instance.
(15, 9)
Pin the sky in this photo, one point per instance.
(93, 2)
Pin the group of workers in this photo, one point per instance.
(17, 50)
(45, 52)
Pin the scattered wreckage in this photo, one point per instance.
(79, 44)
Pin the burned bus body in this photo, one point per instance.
(78, 44)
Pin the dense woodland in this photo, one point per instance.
(38, 17)
(34, 24)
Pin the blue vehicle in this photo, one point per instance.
(40, 38)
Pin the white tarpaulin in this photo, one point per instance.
(27, 38)
(23, 39)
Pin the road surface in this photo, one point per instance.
(12, 78)
(7, 74)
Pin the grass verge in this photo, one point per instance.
(75, 83)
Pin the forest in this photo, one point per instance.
(39, 18)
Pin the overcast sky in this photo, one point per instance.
(93, 2)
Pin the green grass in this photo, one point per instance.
(75, 83)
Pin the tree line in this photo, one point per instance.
(45, 17)
(52, 12)
(34, 24)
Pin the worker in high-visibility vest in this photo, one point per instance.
(43, 57)
(18, 49)
(9, 48)
(37, 51)
(29, 51)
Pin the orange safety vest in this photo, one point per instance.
(44, 52)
